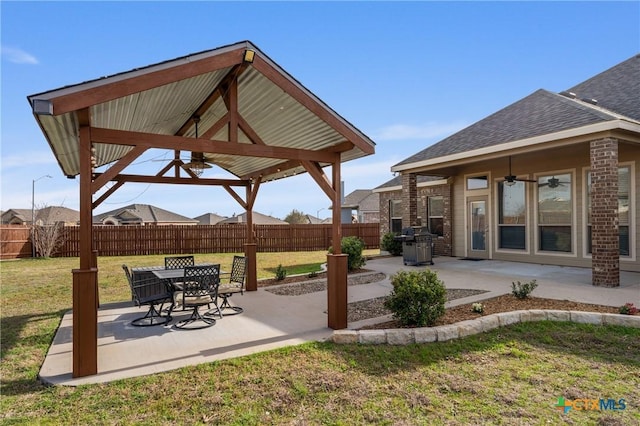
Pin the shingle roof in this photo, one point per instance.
(55, 214)
(258, 219)
(616, 90)
(147, 213)
(540, 113)
(209, 219)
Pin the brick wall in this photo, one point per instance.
(604, 213)
(443, 245)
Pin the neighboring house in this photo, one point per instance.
(552, 179)
(312, 220)
(209, 219)
(45, 216)
(16, 217)
(364, 204)
(258, 219)
(142, 214)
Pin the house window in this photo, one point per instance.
(435, 215)
(477, 182)
(395, 216)
(555, 213)
(624, 193)
(511, 216)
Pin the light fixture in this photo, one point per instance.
(509, 182)
(197, 164)
(249, 55)
(42, 107)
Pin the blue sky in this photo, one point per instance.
(407, 74)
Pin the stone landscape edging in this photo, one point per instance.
(443, 333)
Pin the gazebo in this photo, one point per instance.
(231, 107)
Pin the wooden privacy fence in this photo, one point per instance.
(14, 241)
(179, 239)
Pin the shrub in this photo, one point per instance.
(477, 308)
(417, 298)
(353, 247)
(281, 273)
(388, 243)
(523, 290)
(628, 309)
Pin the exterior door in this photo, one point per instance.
(478, 228)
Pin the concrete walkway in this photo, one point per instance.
(270, 321)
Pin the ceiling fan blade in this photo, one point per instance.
(525, 180)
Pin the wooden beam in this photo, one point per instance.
(179, 181)
(248, 130)
(141, 80)
(312, 104)
(106, 195)
(223, 121)
(113, 171)
(252, 193)
(151, 140)
(321, 179)
(236, 197)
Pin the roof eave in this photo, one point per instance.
(564, 137)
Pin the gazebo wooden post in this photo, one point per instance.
(337, 263)
(85, 300)
(250, 248)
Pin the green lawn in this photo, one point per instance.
(512, 375)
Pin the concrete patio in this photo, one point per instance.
(270, 321)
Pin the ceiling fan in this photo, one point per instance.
(553, 182)
(511, 179)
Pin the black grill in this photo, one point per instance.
(417, 245)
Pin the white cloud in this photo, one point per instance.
(18, 56)
(28, 158)
(426, 131)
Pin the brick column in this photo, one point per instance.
(409, 200)
(605, 242)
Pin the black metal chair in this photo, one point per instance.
(199, 288)
(151, 292)
(178, 262)
(234, 284)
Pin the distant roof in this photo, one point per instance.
(616, 91)
(258, 219)
(209, 218)
(362, 200)
(147, 213)
(56, 214)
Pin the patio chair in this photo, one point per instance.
(178, 262)
(234, 284)
(149, 292)
(199, 288)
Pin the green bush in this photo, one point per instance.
(352, 246)
(388, 243)
(417, 298)
(523, 290)
(281, 273)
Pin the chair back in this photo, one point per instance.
(178, 262)
(238, 271)
(145, 287)
(134, 293)
(201, 281)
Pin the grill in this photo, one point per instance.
(417, 245)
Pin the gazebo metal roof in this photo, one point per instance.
(271, 109)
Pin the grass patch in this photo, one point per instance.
(512, 375)
(298, 269)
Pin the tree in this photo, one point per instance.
(296, 217)
(46, 234)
